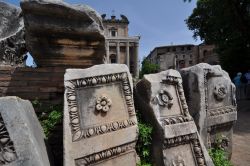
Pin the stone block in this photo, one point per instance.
(21, 135)
(161, 101)
(211, 98)
(100, 126)
(61, 34)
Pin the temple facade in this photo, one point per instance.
(121, 48)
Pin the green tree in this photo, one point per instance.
(226, 24)
(148, 68)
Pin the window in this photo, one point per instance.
(190, 62)
(174, 49)
(191, 56)
(183, 56)
(205, 53)
(181, 64)
(188, 48)
(113, 32)
(182, 48)
(113, 58)
(161, 58)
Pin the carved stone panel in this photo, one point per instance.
(215, 114)
(7, 149)
(161, 101)
(21, 135)
(99, 116)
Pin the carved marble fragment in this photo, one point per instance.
(21, 135)
(161, 101)
(211, 99)
(12, 44)
(7, 149)
(100, 126)
(62, 34)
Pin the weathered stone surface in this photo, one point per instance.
(161, 101)
(12, 44)
(211, 98)
(60, 34)
(21, 135)
(100, 126)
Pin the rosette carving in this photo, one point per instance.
(220, 92)
(166, 98)
(103, 104)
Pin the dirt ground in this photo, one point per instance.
(241, 137)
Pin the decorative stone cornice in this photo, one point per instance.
(123, 20)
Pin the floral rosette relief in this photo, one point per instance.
(165, 98)
(103, 104)
(220, 92)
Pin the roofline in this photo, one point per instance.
(169, 46)
(174, 46)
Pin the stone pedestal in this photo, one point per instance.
(100, 126)
(161, 101)
(21, 135)
(211, 98)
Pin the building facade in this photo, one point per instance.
(121, 48)
(181, 56)
(207, 54)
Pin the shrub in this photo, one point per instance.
(49, 116)
(218, 157)
(218, 154)
(144, 142)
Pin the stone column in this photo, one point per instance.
(107, 52)
(136, 68)
(127, 55)
(118, 52)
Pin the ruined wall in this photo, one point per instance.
(44, 83)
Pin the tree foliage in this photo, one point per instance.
(148, 68)
(226, 24)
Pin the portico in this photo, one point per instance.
(121, 48)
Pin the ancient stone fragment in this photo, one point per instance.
(21, 135)
(161, 101)
(211, 98)
(12, 44)
(60, 34)
(100, 126)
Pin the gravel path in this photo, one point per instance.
(241, 137)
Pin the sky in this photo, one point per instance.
(158, 22)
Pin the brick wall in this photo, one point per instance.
(45, 83)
